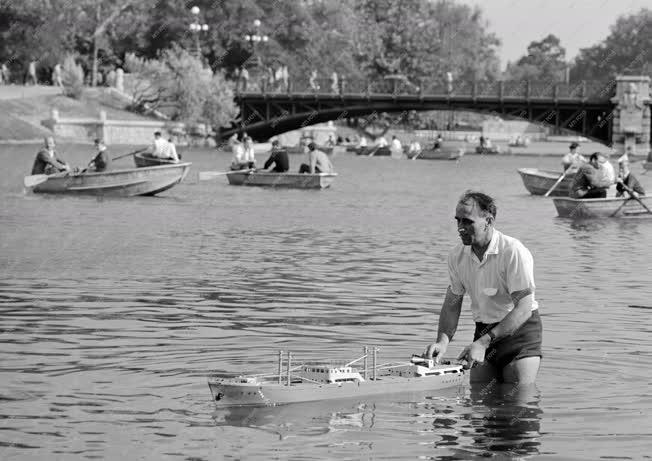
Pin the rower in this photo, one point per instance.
(101, 161)
(46, 161)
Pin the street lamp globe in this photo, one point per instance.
(194, 10)
(256, 22)
(204, 27)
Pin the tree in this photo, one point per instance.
(178, 85)
(545, 61)
(626, 50)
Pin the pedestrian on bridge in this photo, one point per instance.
(314, 86)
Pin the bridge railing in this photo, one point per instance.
(524, 89)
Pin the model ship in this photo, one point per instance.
(313, 382)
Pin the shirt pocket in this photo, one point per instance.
(490, 291)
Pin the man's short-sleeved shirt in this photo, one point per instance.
(507, 266)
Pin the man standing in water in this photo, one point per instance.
(498, 273)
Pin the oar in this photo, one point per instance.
(130, 153)
(207, 175)
(35, 180)
(554, 186)
(417, 154)
(374, 151)
(631, 193)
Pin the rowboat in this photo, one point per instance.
(284, 180)
(116, 183)
(377, 151)
(143, 160)
(601, 207)
(318, 382)
(538, 182)
(436, 154)
(299, 149)
(487, 150)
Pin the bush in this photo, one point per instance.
(73, 78)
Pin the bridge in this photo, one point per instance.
(595, 110)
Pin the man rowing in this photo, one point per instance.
(46, 161)
(279, 158)
(590, 181)
(573, 159)
(318, 161)
(101, 161)
(626, 180)
(497, 271)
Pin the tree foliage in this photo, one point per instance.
(627, 49)
(545, 62)
(178, 85)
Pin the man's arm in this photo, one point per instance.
(313, 161)
(269, 161)
(448, 318)
(514, 319)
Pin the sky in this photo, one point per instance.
(577, 23)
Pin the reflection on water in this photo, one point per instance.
(114, 312)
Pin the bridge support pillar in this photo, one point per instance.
(631, 120)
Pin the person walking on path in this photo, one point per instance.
(31, 73)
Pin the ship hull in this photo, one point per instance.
(226, 393)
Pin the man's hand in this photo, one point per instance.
(436, 351)
(474, 353)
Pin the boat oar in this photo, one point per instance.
(554, 186)
(208, 175)
(632, 196)
(127, 155)
(374, 151)
(34, 180)
(416, 155)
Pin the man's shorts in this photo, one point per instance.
(525, 342)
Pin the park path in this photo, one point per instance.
(22, 91)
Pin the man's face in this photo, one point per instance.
(597, 161)
(472, 226)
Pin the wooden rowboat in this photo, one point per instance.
(116, 183)
(538, 182)
(143, 159)
(378, 151)
(487, 150)
(436, 154)
(284, 180)
(601, 207)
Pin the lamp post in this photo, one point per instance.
(253, 39)
(196, 27)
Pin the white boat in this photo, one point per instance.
(315, 382)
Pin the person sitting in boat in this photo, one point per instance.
(497, 272)
(46, 161)
(279, 158)
(626, 180)
(438, 142)
(161, 148)
(573, 159)
(396, 148)
(238, 159)
(363, 142)
(101, 161)
(382, 142)
(414, 148)
(330, 142)
(249, 155)
(318, 161)
(589, 181)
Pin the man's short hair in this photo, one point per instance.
(486, 204)
(157, 133)
(574, 145)
(594, 156)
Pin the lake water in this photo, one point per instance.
(115, 311)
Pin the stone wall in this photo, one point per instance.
(112, 131)
(631, 117)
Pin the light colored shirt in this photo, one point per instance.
(382, 142)
(249, 152)
(573, 161)
(507, 266)
(319, 159)
(164, 149)
(238, 153)
(607, 172)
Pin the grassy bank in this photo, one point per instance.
(20, 117)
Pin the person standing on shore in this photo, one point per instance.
(46, 161)
(31, 73)
(497, 271)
